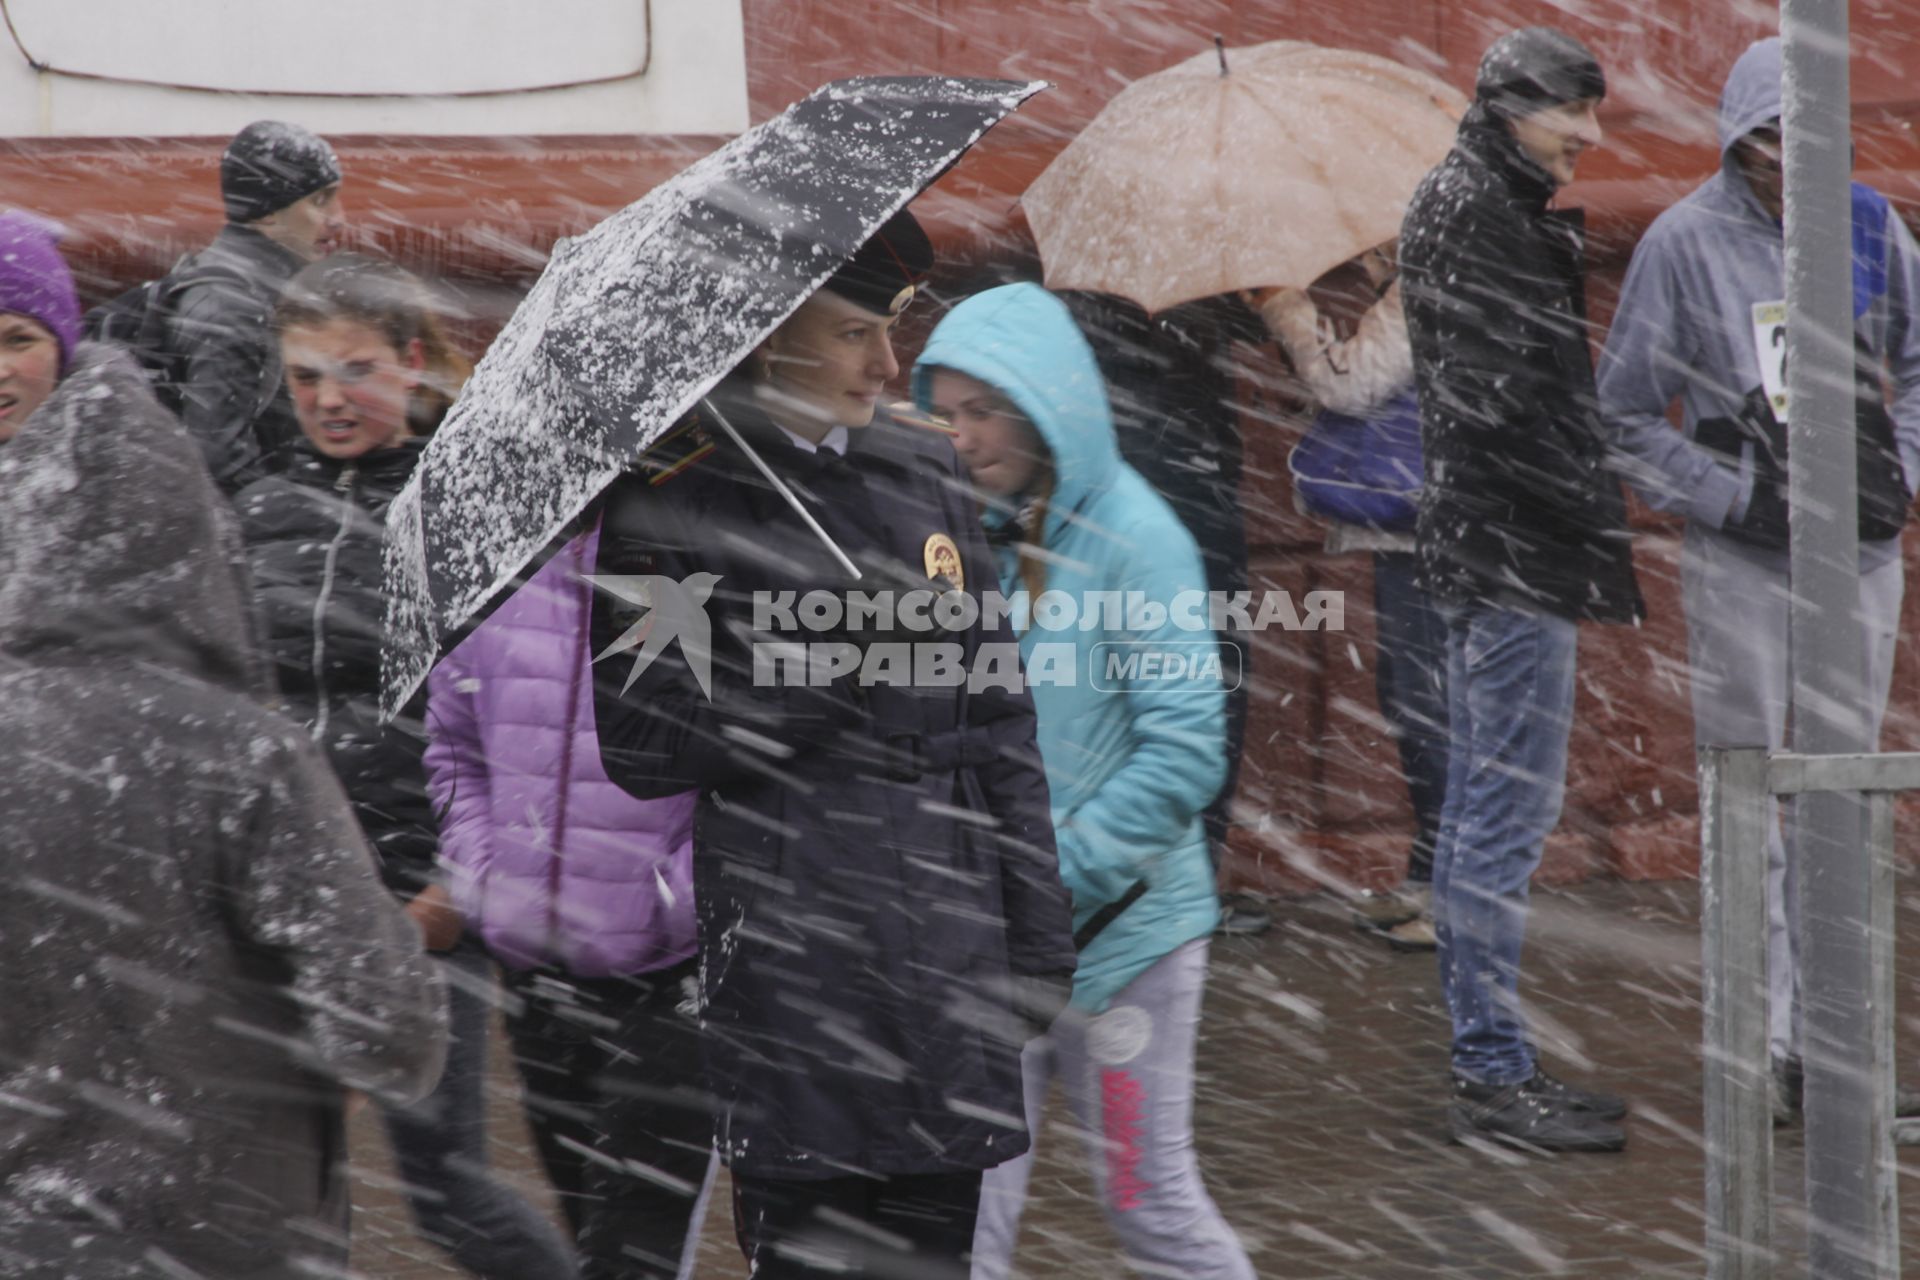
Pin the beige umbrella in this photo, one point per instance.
(1237, 169)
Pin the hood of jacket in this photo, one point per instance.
(120, 575)
(1023, 341)
(1751, 96)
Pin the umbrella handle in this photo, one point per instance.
(780, 487)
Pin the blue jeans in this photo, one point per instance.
(1510, 696)
(1410, 682)
(440, 1144)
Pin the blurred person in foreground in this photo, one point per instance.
(882, 924)
(584, 896)
(1522, 535)
(1357, 365)
(1132, 764)
(1702, 319)
(197, 959)
(370, 375)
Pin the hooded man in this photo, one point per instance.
(1702, 319)
(1522, 534)
(280, 185)
(197, 958)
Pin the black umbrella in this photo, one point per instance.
(637, 319)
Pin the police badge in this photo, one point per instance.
(943, 561)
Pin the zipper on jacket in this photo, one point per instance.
(344, 487)
(581, 641)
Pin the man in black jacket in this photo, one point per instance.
(281, 188)
(1522, 535)
(882, 919)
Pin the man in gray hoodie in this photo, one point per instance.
(1702, 318)
(197, 958)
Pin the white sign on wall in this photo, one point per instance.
(190, 67)
(382, 47)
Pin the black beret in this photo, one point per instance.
(883, 273)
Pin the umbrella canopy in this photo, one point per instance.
(632, 322)
(1235, 170)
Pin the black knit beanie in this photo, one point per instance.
(269, 165)
(1535, 67)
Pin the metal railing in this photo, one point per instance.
(1846, 987)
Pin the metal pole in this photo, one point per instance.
(1885, 1241)
(1847, 1187)
(1735, 811)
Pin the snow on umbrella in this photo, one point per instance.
(634, 321)
(1239, 169)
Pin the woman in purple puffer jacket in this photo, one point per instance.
(585, 897)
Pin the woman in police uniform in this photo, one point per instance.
(882, 919)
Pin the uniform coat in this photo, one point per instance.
(872, 865)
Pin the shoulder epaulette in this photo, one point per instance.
(680, 448)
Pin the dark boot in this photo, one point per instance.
(1789, 1085)
(1529, 1118)
(1608, 1106)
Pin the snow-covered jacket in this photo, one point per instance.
(546, 857)
(1132, 761)
(1521, 505)
(233, 399)
(1687, 328)
(196, 956)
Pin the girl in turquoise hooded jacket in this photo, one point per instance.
(1132, 733)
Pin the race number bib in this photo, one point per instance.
(1770, 350)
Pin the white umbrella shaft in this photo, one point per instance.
(780, 487)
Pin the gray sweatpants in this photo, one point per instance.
(1128, 1076)
(1736, 611)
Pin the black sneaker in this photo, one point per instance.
(1519, 1115)
(1608, 1106)
(1789, 1094)
(1789, 1086)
